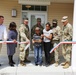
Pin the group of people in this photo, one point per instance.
(48, 37)
(43, 39)
(64, 34)
(11, 36)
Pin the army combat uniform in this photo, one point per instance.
(23, 36)
(56, 40)
(33, 29)
(40, 26)
(67, 36)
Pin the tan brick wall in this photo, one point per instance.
(6, 7)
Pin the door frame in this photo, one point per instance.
(29, 13)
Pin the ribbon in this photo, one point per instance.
(10, 42)
(65, 42)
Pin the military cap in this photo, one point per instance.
(26, 19)
(54, 21)
(64, 18)
(39, 19)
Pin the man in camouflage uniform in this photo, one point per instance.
(67, 36)
(37, 25)
(24, 36)
(33, 29)
(56, 39)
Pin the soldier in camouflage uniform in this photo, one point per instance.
(24, 36)
(56, 39)
(37, 25)
(67, 36)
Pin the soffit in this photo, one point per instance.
(62, 1)
(43, 2)
(35, 2)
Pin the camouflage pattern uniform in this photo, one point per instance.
(40, 26)
(67, 36)
(56, 40)
(33, 29)
(24, 36)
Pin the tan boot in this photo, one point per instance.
(22, 63)
(56, 64)
(63, 64)
(66, 65)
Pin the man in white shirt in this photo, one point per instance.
(3, 32)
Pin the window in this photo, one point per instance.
(34, 7)
(31, 8)
(37, 8)
(43, 8)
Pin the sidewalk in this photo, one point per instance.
(31, 69)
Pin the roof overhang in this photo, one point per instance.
(34, 2)
(43, 2)
(62, 1)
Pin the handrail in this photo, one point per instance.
(65, 42)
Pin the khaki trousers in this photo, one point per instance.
(67, 48)
(23, 53)
(56, 54)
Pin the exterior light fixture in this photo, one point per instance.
(28, 6)
(14, 12)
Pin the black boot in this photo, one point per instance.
(10, 61)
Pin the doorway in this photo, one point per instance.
(32, 16)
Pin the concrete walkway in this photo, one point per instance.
(31, 69)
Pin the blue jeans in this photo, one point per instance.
(38, 54)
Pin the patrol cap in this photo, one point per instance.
(39, 19)
(64, 18)
(26, 19)
(54, 21)
(37, 28)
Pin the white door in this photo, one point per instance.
(33, 18)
